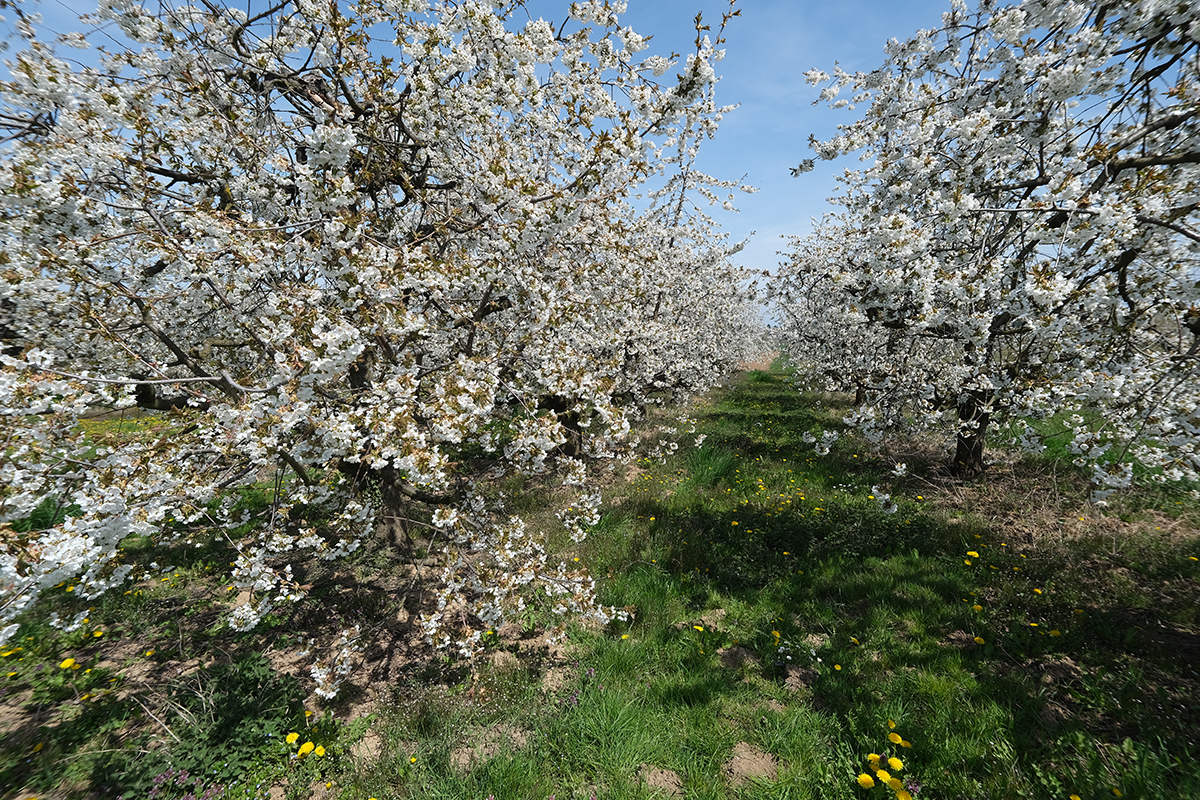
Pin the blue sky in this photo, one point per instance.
(769, 48)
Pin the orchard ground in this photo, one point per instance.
(999, 638)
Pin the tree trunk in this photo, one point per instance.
(860, 395)
(973, 417)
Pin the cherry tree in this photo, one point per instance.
(372, 254)
(1023, 239)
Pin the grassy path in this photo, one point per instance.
(995, 640)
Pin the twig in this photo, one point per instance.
(156, 719)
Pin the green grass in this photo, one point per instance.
(775, 606)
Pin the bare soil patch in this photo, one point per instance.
(486, 745)
(749, 763)
(661, 781)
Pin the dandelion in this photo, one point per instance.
(1037, 591)
(1116, 791)
(1056, 633)
(292, 737)
(838, 667)
(895, 763)
(865, 780)
(978, 640)
(883, 775)
(905, 743)
(894, 738)
(972, 554)
(98, 634)
(903, 795)
(306, 748)
(967, 561)
(874, 759)
(319, 751)
(1075, 797)
(734, 522)
(624, 635)
(977, 608)
(412, 760)
(894, 784)
(891, 725)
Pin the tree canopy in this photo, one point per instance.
(1024, 238)
(362, 254)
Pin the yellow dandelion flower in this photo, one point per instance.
(967, 561)
(883, 775)
(292, 737)
(838, 667)
(972, 554)
(903, 795)
(865, 781)
(98, 634)
(734, 522)
(306, 748)
(1037, 591)
(698, 627)
(1117, 792)
(1075, 797)
(1056, 633)
(67, 664)
(891, 725)
(320, 750)
(977, 607)
(412, 760)
(894, 738)
(978, 640)
(895, 763)
(894, 784)
(905, 743)
(874, 759)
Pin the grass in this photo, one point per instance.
(1021, 643)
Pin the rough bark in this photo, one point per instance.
(974, 414)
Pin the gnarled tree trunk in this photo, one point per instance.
(974, 414)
